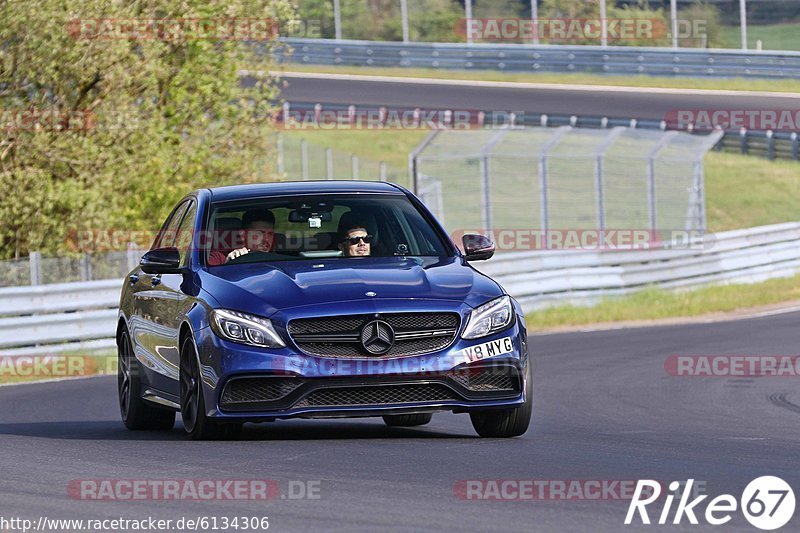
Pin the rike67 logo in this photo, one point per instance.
(767, 503)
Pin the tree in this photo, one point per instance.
(104, 132)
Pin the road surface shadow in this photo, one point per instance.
(300, 430)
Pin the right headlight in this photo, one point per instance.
(244, 328)
(489, 318)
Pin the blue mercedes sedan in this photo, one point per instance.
(316, 299)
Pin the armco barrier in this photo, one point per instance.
(59, 297)
(541, 278)
(80, 316)
(45, 319)
(619, 60)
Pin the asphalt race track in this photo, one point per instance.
(605, 409)
(558, 101)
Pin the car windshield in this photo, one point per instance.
(326, 226)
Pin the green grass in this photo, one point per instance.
(732, 84)
(389, 146)
(652, 304)
(773, 36)
(745, 191)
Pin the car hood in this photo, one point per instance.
(265, 288)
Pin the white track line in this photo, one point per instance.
(528, 85)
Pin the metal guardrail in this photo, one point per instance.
(543, 278)
(761, 143)
(58, 298)
(619, 60)
(82, 316)
(71, 328)
(59, 317)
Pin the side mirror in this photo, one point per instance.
(161, 261)
(477, 247)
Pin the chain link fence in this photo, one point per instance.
(37, 269)
(564, 178)
(300, 159)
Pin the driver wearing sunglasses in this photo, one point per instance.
(355, 241)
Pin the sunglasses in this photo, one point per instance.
(354, 240)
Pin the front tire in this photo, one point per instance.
(509, 422)
(136, 413)
(196, 423)
(419, 419)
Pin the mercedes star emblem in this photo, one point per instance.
(377, 337)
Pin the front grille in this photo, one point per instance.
(257, 390)
(488, 379)
(331, 324)
(279, 393)
(383, 395)
(415, 333)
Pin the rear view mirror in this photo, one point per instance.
(477, 247)
(161, 261)
(304, 216)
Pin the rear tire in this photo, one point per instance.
(509, 422)
(136, 413)
(407, 420)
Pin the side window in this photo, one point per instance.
(166, 237)
(419, 235)
(186, 233)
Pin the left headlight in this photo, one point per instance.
(244, 328)
(489, 318)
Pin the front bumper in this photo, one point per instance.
(243, 383)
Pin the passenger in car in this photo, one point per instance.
(258, 234)
(355, 241)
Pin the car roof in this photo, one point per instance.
(289, 188)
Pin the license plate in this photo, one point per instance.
(479, 352)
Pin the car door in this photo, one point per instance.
(151, 326)
(176, 296)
